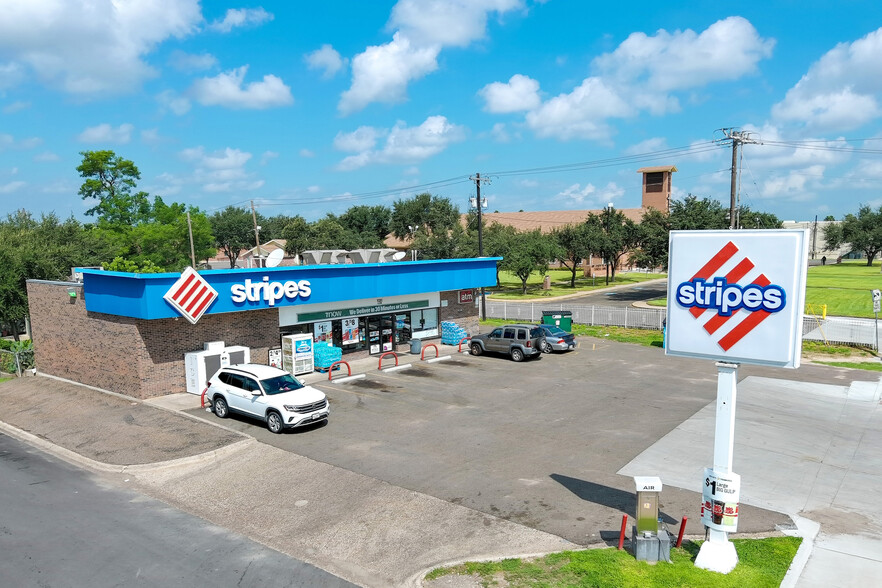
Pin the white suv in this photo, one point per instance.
(266, 393)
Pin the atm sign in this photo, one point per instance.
(466, 296)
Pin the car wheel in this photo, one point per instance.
(220, 408)
(517, 354)
(274, 422)
(476, 349)
(546, 347)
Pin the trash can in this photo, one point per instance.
(558, 318)
(416, 345)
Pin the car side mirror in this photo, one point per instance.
(255, 392)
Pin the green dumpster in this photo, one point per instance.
(558, 318)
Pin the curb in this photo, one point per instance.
(576, 294)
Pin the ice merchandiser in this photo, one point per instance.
(297, 354)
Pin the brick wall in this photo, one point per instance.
(95, 349)
(465, 315)
(132, 356)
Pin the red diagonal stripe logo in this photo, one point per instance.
(713, 264)
(736, 274)
(191, 295)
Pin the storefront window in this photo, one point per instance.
(424, 323)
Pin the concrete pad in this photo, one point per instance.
(179, 402)
(364, 530)
(809, 450)
(834, 567)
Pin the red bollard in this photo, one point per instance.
(682, 528)
(622, 533)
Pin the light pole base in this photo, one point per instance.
(717, 554)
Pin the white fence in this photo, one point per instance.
(839, 330)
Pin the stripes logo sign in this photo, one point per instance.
(737, 296)
(727, 298)
(191, 295)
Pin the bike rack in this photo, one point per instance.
(460, 343)
(393, 354)
(335, 364)
(423, 353)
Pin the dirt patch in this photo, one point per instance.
(107, 428)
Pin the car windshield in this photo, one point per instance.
(555, 331)
(536, 332)
(281, 384)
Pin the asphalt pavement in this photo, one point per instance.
(371, 532)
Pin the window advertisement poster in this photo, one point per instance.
(350, 331)
(719, 500)
(737, 296)
(275, 357)
(322, 331)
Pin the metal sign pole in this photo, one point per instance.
(718, 553)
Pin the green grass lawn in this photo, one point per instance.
(844, 288)
(761, 563)
(509, 287)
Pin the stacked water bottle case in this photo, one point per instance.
(452, 333)
(325, 355)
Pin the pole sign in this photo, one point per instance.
(737, 296)
(719, 500)
(877, 300)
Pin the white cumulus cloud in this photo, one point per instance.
(453, 23)
(240, 17)
(190, 62)
(520, 93)
(382, 72)
(840, 91)
(644, 73)
(218, 171)
(171, 100)
(11, 187)
(422, 29)
(104, 133)
(226, 89)
(90, 47)
(326, 59)
(402, 144)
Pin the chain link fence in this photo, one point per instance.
(838, 330)
(16, 362)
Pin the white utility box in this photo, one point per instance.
(202, 365)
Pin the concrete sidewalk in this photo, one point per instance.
(809, 450)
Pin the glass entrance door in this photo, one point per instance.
(402, 329)
(386, 328)
(373, 335)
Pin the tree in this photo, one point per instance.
(862, 232)
(44, 249)
(829, 217)
(423, 212)
(296, 236)
(529, 252)
(233, 230)
(694, 214)
(498, 242)
(575, 245)
(452, 244)
(371, 222)
(110, 179)
(616, 236)
(652, 249)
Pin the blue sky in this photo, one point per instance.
(309, 108)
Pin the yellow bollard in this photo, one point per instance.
(824, 311)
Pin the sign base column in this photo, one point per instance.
(717, 554)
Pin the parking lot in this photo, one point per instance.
(538, 443)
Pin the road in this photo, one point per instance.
(61, 526)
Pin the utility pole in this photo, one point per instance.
(814, 239)
(737, 138)
(256, 232)
(477, 179)
(192, 250)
